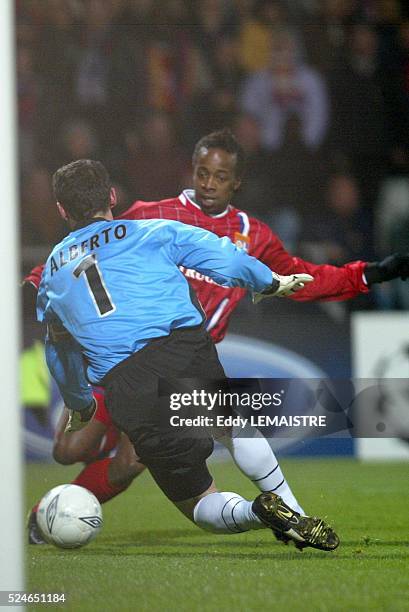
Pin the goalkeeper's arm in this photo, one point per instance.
(65, 362)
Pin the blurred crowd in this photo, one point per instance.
(316, 91)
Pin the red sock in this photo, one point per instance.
(94, 477)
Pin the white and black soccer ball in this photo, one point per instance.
(69, 516)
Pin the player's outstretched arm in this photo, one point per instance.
(331, 282)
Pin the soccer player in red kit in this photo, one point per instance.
(218, 164)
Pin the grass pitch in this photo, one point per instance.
(150, 558)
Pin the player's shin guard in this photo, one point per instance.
(95, 478)
(256, 459)
(226, 513)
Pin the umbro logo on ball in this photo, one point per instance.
(92, 521)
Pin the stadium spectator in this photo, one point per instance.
(393, 202)
(397, 87)
(106, 68)
(404, 43)
(155, 165)
(346, 233)
(57, 52)
(356, 86)
(91, 79)
(257, 32)
(171, 59)
(227, 73)
(77, 140)
(28, 96)
(37, 200)
(298, 174)
(256, 193)
(325, 30)
(215, 102)
(287, 87)
(214, 19)
(392, 225)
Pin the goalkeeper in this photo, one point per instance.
(117, 289)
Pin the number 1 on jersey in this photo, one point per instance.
(96, 285)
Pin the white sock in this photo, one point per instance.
(226, 513)
(256, 459)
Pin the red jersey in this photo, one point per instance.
(330, 282)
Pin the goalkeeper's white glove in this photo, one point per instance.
(287, 285)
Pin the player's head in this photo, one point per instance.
(83, 190)
(218, 165)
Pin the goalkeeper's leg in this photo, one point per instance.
(178, 465)
(230, 513)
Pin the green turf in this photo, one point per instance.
(150, 558)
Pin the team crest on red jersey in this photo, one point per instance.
(241, 241)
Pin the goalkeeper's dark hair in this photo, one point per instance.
(225, 140)
(82, 188)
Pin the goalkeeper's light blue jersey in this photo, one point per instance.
(115, 285)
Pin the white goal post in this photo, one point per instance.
(11, 519)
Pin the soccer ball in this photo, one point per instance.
(69, 516)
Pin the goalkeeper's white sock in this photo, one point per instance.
(226, 513)
(256, 459)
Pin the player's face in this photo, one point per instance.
(215, 180)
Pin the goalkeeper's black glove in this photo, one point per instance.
(393, 266)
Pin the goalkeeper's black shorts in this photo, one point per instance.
(138, 398)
